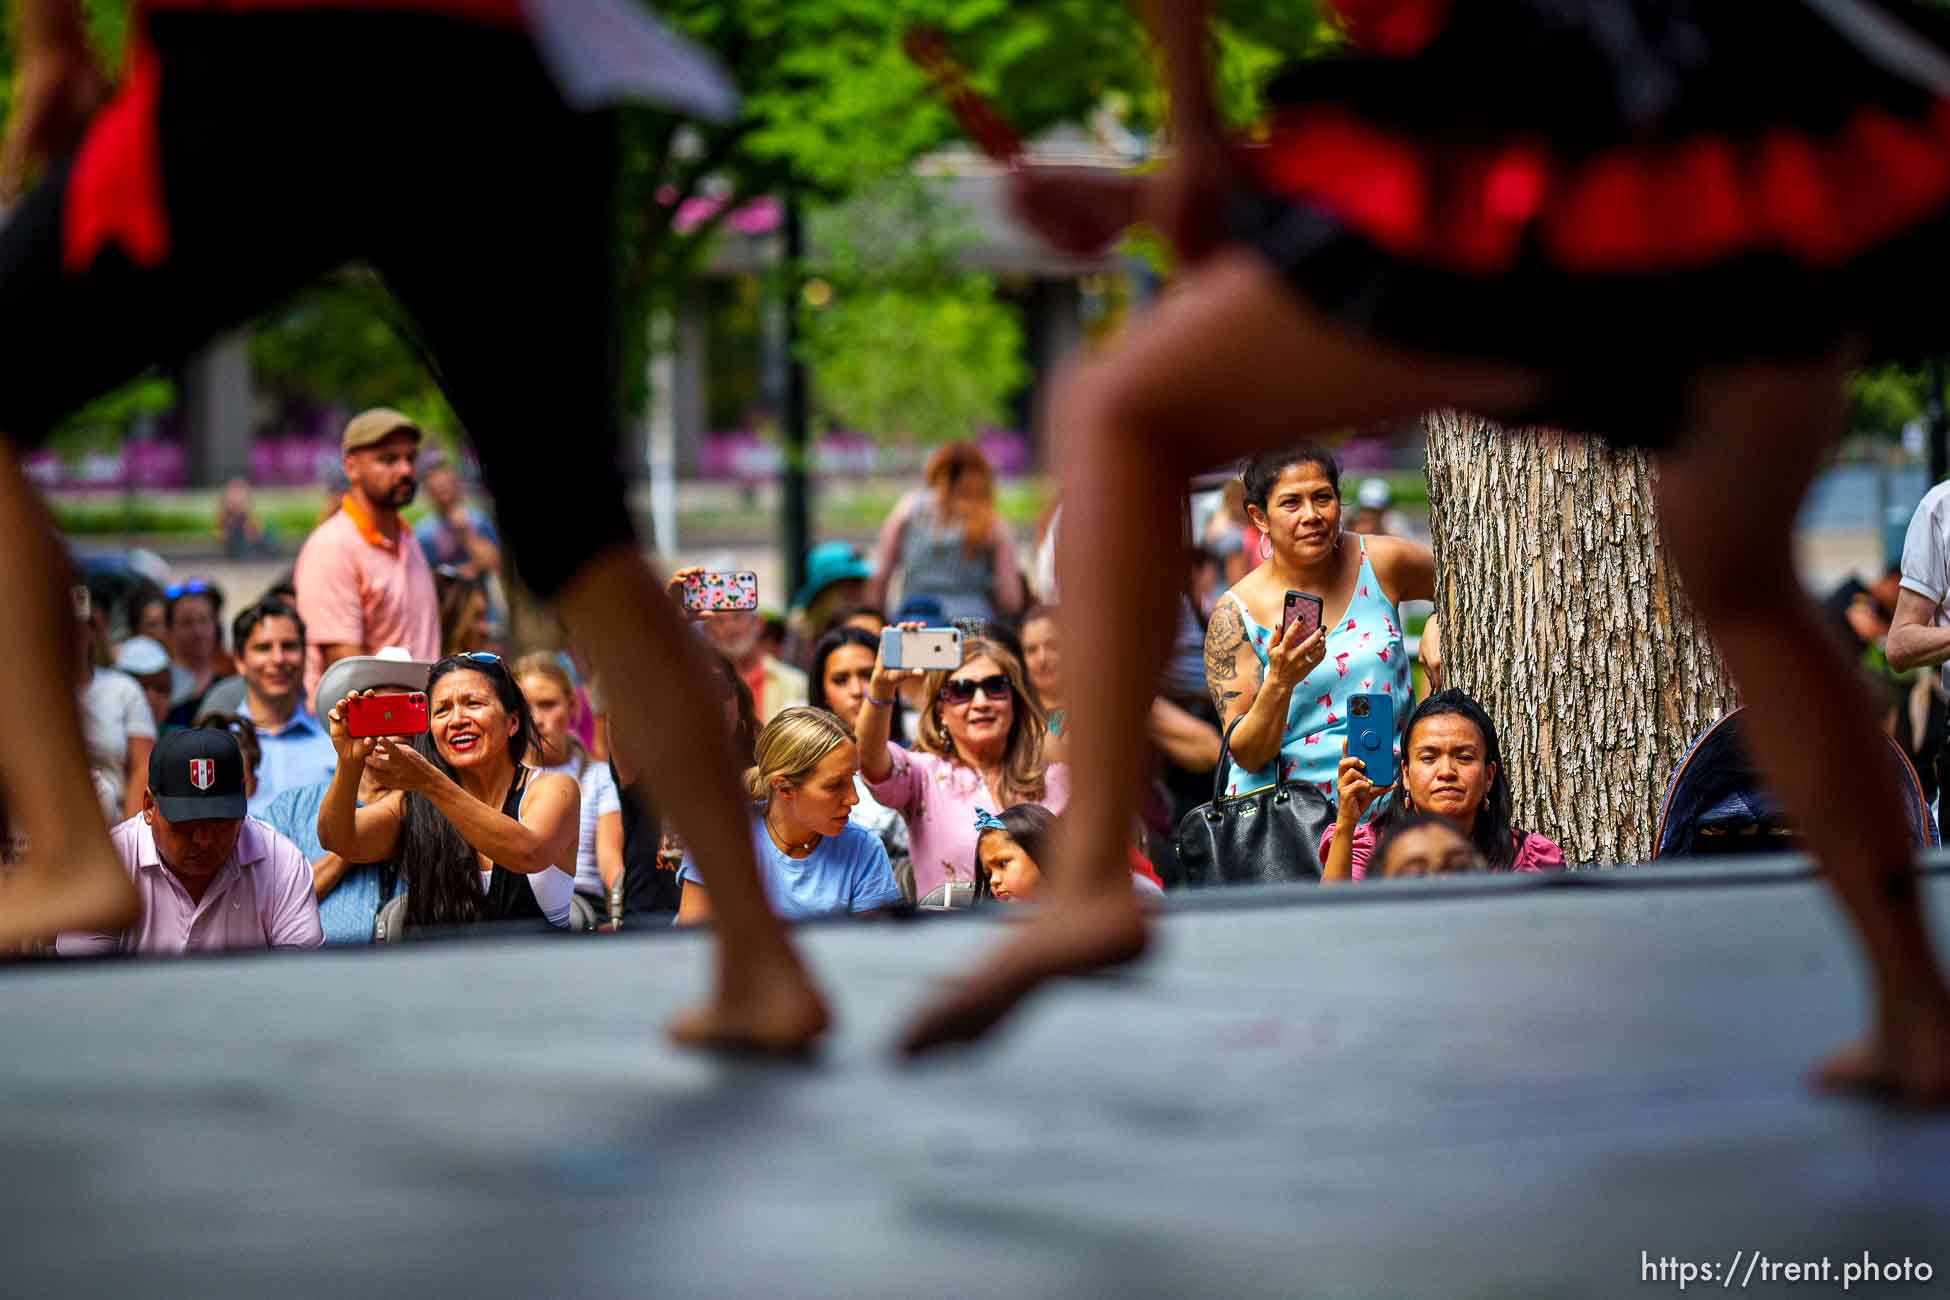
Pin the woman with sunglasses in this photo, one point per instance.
(980, 745)
(194, 614)
(479, 833)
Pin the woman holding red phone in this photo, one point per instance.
(1490, 206)
(480, 834)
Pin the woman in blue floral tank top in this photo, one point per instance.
(1293, 692)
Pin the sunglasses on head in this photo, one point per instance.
(194, 587)
(961, 690)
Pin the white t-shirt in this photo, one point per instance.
(113, 709)
(1926, 551)
(599, 798)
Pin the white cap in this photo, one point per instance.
(142, 655)
(1374, 494)
(377, 672)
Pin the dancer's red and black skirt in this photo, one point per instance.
(1618, 193)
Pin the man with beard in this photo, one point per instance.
(363, 581)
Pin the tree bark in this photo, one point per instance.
(1561, 616)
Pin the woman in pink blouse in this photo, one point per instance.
(1451, 765)
(979, 745)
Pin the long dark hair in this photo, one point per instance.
(1495, 837)
(828, 645)
(744, 737)
(1033, 828)
(439, 866)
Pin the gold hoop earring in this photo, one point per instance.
(1265, 546)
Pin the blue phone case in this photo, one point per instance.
(1372, 738)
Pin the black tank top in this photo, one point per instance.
(509, 896)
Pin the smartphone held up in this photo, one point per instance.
(713, 591)
(1304, 609)
(401, 714)
(1371, 735)
(926, 649)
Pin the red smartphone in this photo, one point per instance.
(979, 117)
(386, 715)
(1303, 609)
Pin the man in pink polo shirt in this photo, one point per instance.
(210, 879)
(363, 581)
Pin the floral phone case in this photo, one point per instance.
(721, 590)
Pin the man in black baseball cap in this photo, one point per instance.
(209, 879)
(197, 775)
(195, 804)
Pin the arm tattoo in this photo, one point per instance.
(1224, 637)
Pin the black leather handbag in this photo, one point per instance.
(1260, 837)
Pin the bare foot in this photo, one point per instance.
(1906, 1059)
(57, 894)
(1064, 938)
(778, 1015)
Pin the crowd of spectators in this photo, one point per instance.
(249, 815)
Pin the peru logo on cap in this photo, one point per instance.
(203, 772)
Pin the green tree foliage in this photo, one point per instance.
(345, 340)
(902, 342)
(1885, 399)
(831, 109)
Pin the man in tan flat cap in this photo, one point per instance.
(363, 581)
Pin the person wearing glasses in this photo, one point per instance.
(193, 613)
(479, 832)
(101, 243)
(979, 745)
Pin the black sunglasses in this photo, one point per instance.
(961, 690)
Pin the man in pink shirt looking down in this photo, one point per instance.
(363, 581)
(209, 878)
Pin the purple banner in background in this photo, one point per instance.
(745, 455)
(133, 465)
(292, 462)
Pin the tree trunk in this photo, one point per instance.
(1562, 618)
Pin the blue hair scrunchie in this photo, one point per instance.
(987, 821)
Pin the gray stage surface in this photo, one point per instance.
(1506, 1090)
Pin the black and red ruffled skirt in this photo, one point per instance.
(1614, 191)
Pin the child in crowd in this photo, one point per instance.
(1010, 851)
(1424, 844)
